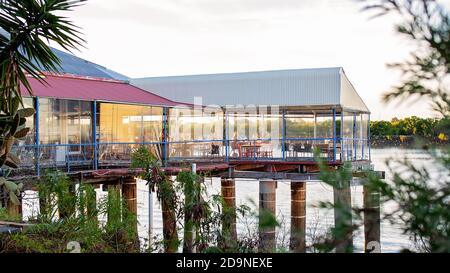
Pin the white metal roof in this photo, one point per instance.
(297, 87)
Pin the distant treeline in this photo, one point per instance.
(400, 132)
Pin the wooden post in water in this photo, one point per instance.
(114, 215)
(67, 207)
(168, 216)
(343, 217)
(15, 210)
(91, 206)
(229, 209)
(371, 220)
(298, 216)
(129, 193)
(267, 206)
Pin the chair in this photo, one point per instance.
(308, 148)
(287, 149)
(298, 148)
(215, 149)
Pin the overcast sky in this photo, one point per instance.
(141, 38)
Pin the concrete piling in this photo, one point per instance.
(267, 206)
(371, 220)
(298, 216)
(228, 190)
(343, 218)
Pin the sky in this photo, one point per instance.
(141, 38)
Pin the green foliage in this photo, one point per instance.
(187, 203)
(56, 194)
(5, 216)
(422, 201)
(422, 196)
(10, 191)
(410, 126)
(78, 221)
(29, 26)
(338, 236)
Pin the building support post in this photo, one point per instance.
(355, 137)
(36, 138)
(129, 193)
(229, 210)
(371, 220)
(343, 218)
(169, 218)
(369, 139)
(165, 136)
(114, 213)
(94, 134)
(267, 206)
(91, 206)
(298, 216)
(344, 144)
(334, 135)
(283, 134)
(15, 210)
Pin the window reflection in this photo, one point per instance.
(64, 121)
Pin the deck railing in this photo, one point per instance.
(71, 157)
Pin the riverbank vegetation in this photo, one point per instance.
(410, 131)
(421, 196)
(68, 221)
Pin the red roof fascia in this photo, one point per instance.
(88, 88)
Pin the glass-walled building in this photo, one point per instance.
(85, 123)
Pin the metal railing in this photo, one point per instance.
(70, 157)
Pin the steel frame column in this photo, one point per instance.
(226, 136)
(94, 133)
(283, 134)
(354, 136)
(343, 147)
(334, 134)
(36, 138)
(368, 140)
(165, 119)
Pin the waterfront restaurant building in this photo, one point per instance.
(89, 117)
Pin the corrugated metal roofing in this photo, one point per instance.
(70, 87)
(297, 87)
(71, 64)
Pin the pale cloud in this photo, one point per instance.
(142, 38)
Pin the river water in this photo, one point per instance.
(319, 220)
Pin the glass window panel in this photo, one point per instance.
(324, 126)
(49, 129)
(152, 118)
(300, 126)
(120, 123)
(181, 124)
(64, 121)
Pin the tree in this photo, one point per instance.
(423, 199)
(26, 28)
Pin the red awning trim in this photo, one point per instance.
(75, 87)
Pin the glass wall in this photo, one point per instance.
(355, 138)
(365, 136)
(196, 132)
(65, 132)
(121, 128)
(255, 132)
(308, 131)
(348, 134)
